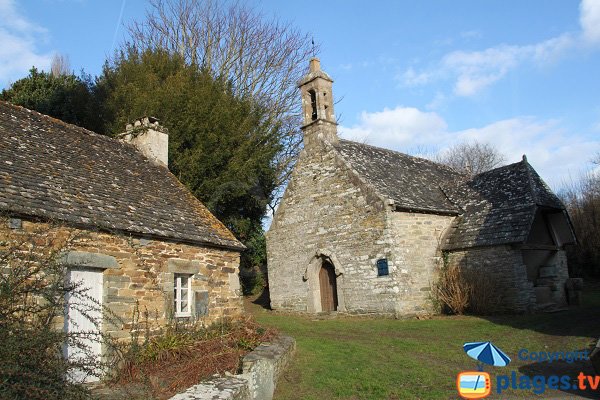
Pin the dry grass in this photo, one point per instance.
(484, 297)
(452, 291)
(175, 361)
(466, 290)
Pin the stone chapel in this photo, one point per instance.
(362, 229)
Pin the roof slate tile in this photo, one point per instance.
(59, 171)
(495, 207)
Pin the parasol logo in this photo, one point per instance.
(486, 353)
(477, 384)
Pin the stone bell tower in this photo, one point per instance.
(317, 107)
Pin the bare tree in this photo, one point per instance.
(60, 65)
(582, 199)
(471, 157)
(262, 58)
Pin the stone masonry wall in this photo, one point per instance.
(562, 275)
(414, 256)
(261, 370)
(138, 270)
(505, 267)
(325, 209)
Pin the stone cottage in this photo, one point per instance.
(141, 238)
(362, 229)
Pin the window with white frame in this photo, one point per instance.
(183, 295)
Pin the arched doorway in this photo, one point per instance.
(328, 286)
(324, 275)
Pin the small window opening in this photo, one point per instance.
(182, 295)
(382, 267)
(313, 104)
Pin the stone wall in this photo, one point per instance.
(327, 211)
(140, 271)
(548, 270)
(261, 370)
(414, 257)
(504, 266)
(561, 277)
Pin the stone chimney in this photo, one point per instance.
(317, 107)
(151, 139)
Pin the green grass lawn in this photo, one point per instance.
(371, 358)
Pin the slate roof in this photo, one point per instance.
(495, 207)
(59, 171)
(413, 183)
(498, 206)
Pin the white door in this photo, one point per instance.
(83, 320)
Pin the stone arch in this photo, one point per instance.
(311, 275)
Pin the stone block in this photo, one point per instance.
(120, 299)
(89, 260)
(574, 297)
(547, 272)
(543, 294)
(181, 266)
(15, 223)
(574, 284)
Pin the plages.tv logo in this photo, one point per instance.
(477, 384)
(473, 384)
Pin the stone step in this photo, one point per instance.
(543, 294)
(545, 307)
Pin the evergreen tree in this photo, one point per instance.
(221, 146)
(62, 96)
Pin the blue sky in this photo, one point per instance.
(411, 76)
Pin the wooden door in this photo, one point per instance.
(327, 281)
(84, 314)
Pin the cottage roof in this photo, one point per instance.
(498, 206)
(55, 170)
(494, 207)
(414, 184)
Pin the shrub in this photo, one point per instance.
(465, 290)
(183, 355)
(33, 286)
(253, 283)
(451, 291)
(484, 298)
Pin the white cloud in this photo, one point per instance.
(476, 70)
(439, 100)
(396, 128)
(589, 20)
(472, 34)
(554, 153)
(411, 78)
(14, 21)
(473, 71)
(19, 38)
